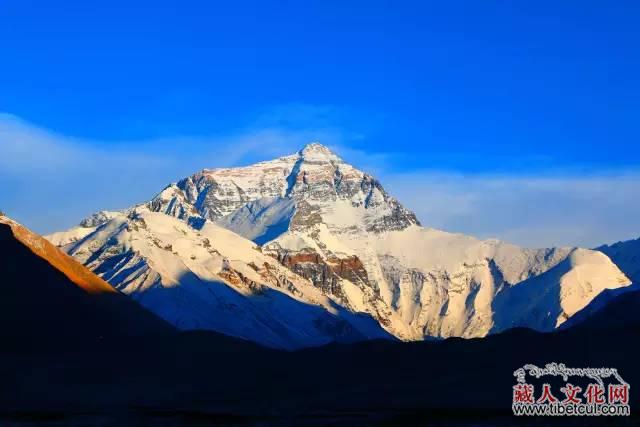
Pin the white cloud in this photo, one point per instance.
(534, 211)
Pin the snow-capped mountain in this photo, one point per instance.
(625, 255)
(261, 197)
(86, 227)
(335, 229)
(213, 279)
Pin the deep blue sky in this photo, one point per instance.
(463, 86)
(557, 81)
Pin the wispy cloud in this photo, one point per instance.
(534, 211)
(50, 181)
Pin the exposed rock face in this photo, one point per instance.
(337, 228)
(324, 275)
(349, 268)
(98, 218)
(306, 216)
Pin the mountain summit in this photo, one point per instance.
(316, 152)
(314, 183)
(330, 236)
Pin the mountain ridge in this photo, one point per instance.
(626, 255)
(336, 227)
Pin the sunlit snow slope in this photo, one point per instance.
(215, 279)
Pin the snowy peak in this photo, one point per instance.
(86, 227)
(98, 218)
(626, 255)
(322, 188)
(561, 291)
(318, 153)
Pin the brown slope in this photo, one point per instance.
(76, 272)
(48, 297)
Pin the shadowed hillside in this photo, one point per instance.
(142, 372)
(47, 297)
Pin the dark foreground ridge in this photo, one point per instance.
(70, 359)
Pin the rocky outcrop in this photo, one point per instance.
(349, 268)
(311, 266)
